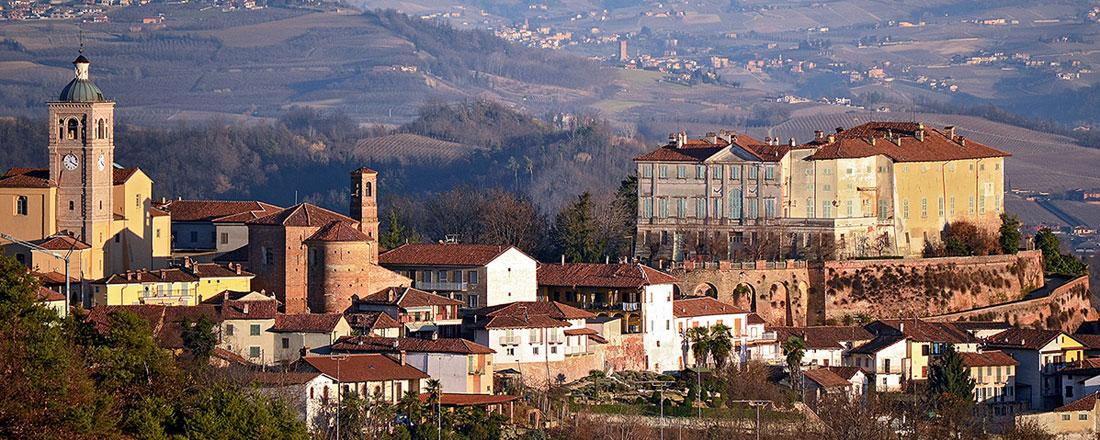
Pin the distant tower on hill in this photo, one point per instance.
(624, 56)
(364, 204)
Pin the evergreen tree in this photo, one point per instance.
(575, 231)
(1010, 234)
(1054, 261)
(949, 377)
(199, 339)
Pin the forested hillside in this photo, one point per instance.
(308, 153)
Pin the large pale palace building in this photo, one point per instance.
(83, 202)
(881, 188)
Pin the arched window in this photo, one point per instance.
(368, 189)
(72, 205)
(101, 129)
(60, 129)
(21, 205)
(73, 129)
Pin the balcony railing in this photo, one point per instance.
(631, 307)
(509, 340)
(442, 285)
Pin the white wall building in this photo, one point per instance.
(884, 357)
(478, 275)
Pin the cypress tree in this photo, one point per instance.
(948, 376)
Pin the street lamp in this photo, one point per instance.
(51, 253)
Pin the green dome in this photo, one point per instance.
(81, 90)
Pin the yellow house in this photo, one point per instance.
(1077, 420)
(188, 285)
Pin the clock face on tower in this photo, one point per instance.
(102, 162)
(70, 162)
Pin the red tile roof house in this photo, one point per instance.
(377, 375)
(825, 345)
(640, 295)
(528, 336)
(461, 366)
(423, 314)
(298, 334)
(476, 274)
(707, 312)
(212, 225)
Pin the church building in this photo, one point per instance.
(84, 201)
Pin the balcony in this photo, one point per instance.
(442, 286)
(509, 340)
(631, 307)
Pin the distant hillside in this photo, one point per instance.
(377, 66)
(411, 148)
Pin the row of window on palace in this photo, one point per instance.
(442, 276)
(751, 207)
(194, 237)
(752, 172)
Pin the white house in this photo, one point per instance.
(423, 314)
(375, 375)
(478, 275)
(640, 295)
(883, 357)
(825, 345)
(307, 393)
(461, 366)
(707, 312)
(530, 333)
(1080, 379)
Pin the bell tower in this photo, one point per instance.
(364, 204)
(81, 149)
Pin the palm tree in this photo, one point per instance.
(794, 348)
(720, 344)
(700, 344)
(435, 392)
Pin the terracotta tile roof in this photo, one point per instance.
(338, 231)
(46, 295)
(879, 343)
(371, 344)
(1083, 367)
(284, 378)
(1026, 338)
(697, 150)
(27, 178)
(461, 399)
(935, 146)
(755, 319)
(215, 270)
(826, 378)
(529, 314)
(442, 254)
(157, 212)
(61, 242)
(601, 275)
(231, 309)
(306, 322)
(597, 339)
(220, 297)
(121, 175)
(846, 372)
(218, 211)
(702, 306)
(987, 359)
(406, 297)
(1087, 403)
(825, 337)
(1091, 342)
(364, 368)
(923, 331)
(165, 321)
(580, 332)
(229, 357)
(372, 321)
(536, 321)
(54, 278)
(302, 214)
(173, 275)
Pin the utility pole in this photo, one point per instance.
(52, 253)
(339, 384)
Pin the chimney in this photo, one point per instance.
(871, 140)
(901, 327)
(727, 136)
(962, 140)
(563, 259)
(790, 142)
(767, 140)
(238, 268)
(401, 357)
(712, 137)
(681, 138)
(391, 295)
(950, 129)
(920, 135)
(819, 135)
(187, 262)
(244, 308)
(839, 130)
(831, 139)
